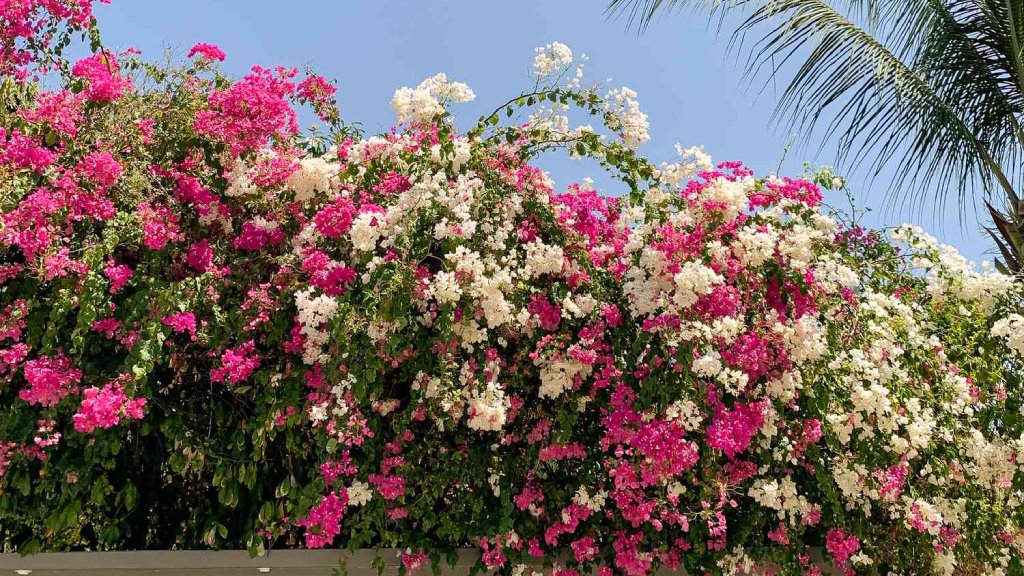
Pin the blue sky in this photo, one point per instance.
(690, 86)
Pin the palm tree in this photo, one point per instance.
(935, 85)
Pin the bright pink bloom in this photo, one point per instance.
(841, 545)
(49, 380)
(891, 481)
(103, 77)
(800, 190)
(60, 264)
(206, 51)
(491, 556)
(118, 274)
(11, 357)
(12, 319)
(190, 190)
(390, 487)
(108, 327)
(666, 452)
(751, 354)
(414, 562)
(562, 452)
(272, 170)
(237, 364)
(7, 452)
(249, 113)
(779, 534)
(24, 152)
(392, 183)
(100, 167)
(732, 430)
(200, 255)
(333, 469)
(584, 549)
(528, 496)
(104, 408)
(330, 276)
(61, 111)
(159, 226)
(181, 322)
(319, 93)
(9, 272)
(549, 315)
(26, 20)
(146, 128)
(255, 236)
(628, 556)
(335, 219)
(323, 523)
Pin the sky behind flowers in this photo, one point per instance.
(689, 85)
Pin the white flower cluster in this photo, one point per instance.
(949, 274)
(686, 413)
(558, 375)
(314, 313)
(426, 101)
(313, 177)
(804, 339)
(990, 462)
(956, 277)
(359, 493)
(239, 182)
(487, 409)
(755, 246)
(1011, 329)
(551, 60)
(781, 496)
(626, 117)
(694, 160)
(366, 231)
(693, 281)
(593, 502)
(543, 259)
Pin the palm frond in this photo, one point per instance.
(881, 108)
(1008, 236)
(641, 13)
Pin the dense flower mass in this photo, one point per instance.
(31, 28)
(217, 333)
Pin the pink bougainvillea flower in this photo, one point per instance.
(118, 274)
(61, 111)
(50, 379)
(200, 255)
(318, 93)
(323, 523)
(181, 322)
(105, 407)
(102, 76)
(101, 168)
(206, 51)
(160, 226)
(237, 364)
(250, 112)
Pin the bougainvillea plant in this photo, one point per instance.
(217, 332)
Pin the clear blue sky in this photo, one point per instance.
(688, 83)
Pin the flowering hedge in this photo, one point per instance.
(216, 332)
